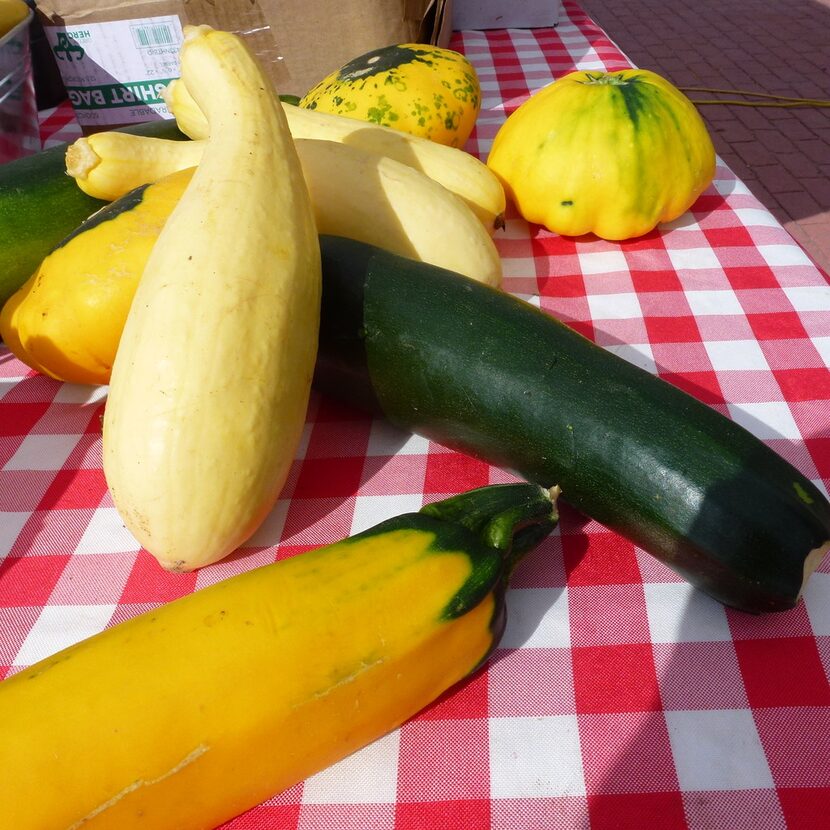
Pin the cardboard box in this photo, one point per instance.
(498, 14)
(115, 58)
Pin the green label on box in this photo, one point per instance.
(124, 94)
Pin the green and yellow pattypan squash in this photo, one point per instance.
(66, 320)
(612, 154)
(416, 88)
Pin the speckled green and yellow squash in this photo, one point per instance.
(415, 88)
(610, 153)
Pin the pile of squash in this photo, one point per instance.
(185, 716)
(210, 372)
(196, 294)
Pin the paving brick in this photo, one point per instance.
(799, 204)
(819, 188)
(820, 249)
(814, 149)
(798, 164)
(815, 242)
(753, 67)
(752, 117)
(757, 189)
(734, 131)
(794, 128)
(815, 117)
(775, 140)
(718, 114)
(807, 87)
(739, 167)
(755, 153)
(778, 180)
(820, 220)
(782, 117)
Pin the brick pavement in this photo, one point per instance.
(779, 47)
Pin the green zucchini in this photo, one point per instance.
(40, 205)
(485, 373)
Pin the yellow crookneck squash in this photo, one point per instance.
(454, 168)
(420, 89)
(354, 193)
(211, 381)
(66, 320)
(612, 154)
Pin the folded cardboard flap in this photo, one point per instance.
(116, 55)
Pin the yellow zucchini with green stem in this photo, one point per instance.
(211, 380)
(189, 714)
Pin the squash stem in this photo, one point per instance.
(608, 79)
(513, 518)
(81, 159)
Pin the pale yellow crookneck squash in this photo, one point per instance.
(354, 193)
(189, 714)
(459, 171)
(212, 376)
(609, 153)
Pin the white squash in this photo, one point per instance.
(211, 381)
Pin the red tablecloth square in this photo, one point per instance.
(804, 808)
(29, 580)
(634, 811)
(615, 679)
(73, 489)
(149, 583)
(798, 678)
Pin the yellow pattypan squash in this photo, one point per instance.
(416, 88)
(612, 154)
(66, 320)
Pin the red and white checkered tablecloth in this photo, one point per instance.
(619, 697)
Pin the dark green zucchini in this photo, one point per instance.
(40, 205)
(490, 375)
